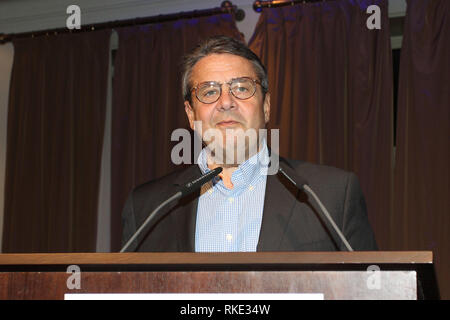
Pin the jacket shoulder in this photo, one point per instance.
(317, 173)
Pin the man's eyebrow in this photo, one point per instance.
(240, 78)
(232, 79)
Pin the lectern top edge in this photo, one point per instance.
(240, 258)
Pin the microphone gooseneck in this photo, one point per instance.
(183, 191)
(302, 184)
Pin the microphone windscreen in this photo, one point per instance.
(197, 183)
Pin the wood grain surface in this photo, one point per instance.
(369, 257)
(334, 285)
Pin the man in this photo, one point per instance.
(226, 91)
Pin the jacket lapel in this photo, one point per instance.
(279, 202)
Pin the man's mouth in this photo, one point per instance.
(227, 123)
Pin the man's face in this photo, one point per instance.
(228, 114)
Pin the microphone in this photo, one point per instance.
(302, 184)
(183, 191)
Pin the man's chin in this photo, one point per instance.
(228, 157)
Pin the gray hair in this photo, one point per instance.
(220, 44)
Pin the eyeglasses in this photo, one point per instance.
(241, 88)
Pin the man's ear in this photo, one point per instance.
(266, 107)
(190, 113)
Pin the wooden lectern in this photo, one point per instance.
(338, 275)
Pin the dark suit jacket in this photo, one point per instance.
(291, 221)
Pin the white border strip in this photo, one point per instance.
(194, 296)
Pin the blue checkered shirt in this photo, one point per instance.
(230, 219)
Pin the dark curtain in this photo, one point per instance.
(330, 79)
(55, 131)
(148, 103)
(422, 176)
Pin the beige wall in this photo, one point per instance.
(6, 59)
(104, 195)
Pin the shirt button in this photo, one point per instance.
(230, 199)
(250, 188)
(229, 237)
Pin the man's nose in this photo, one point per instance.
(226, 100)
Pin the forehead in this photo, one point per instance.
(221, 67)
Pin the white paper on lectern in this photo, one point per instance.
(194, 296)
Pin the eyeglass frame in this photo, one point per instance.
(254, 81)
